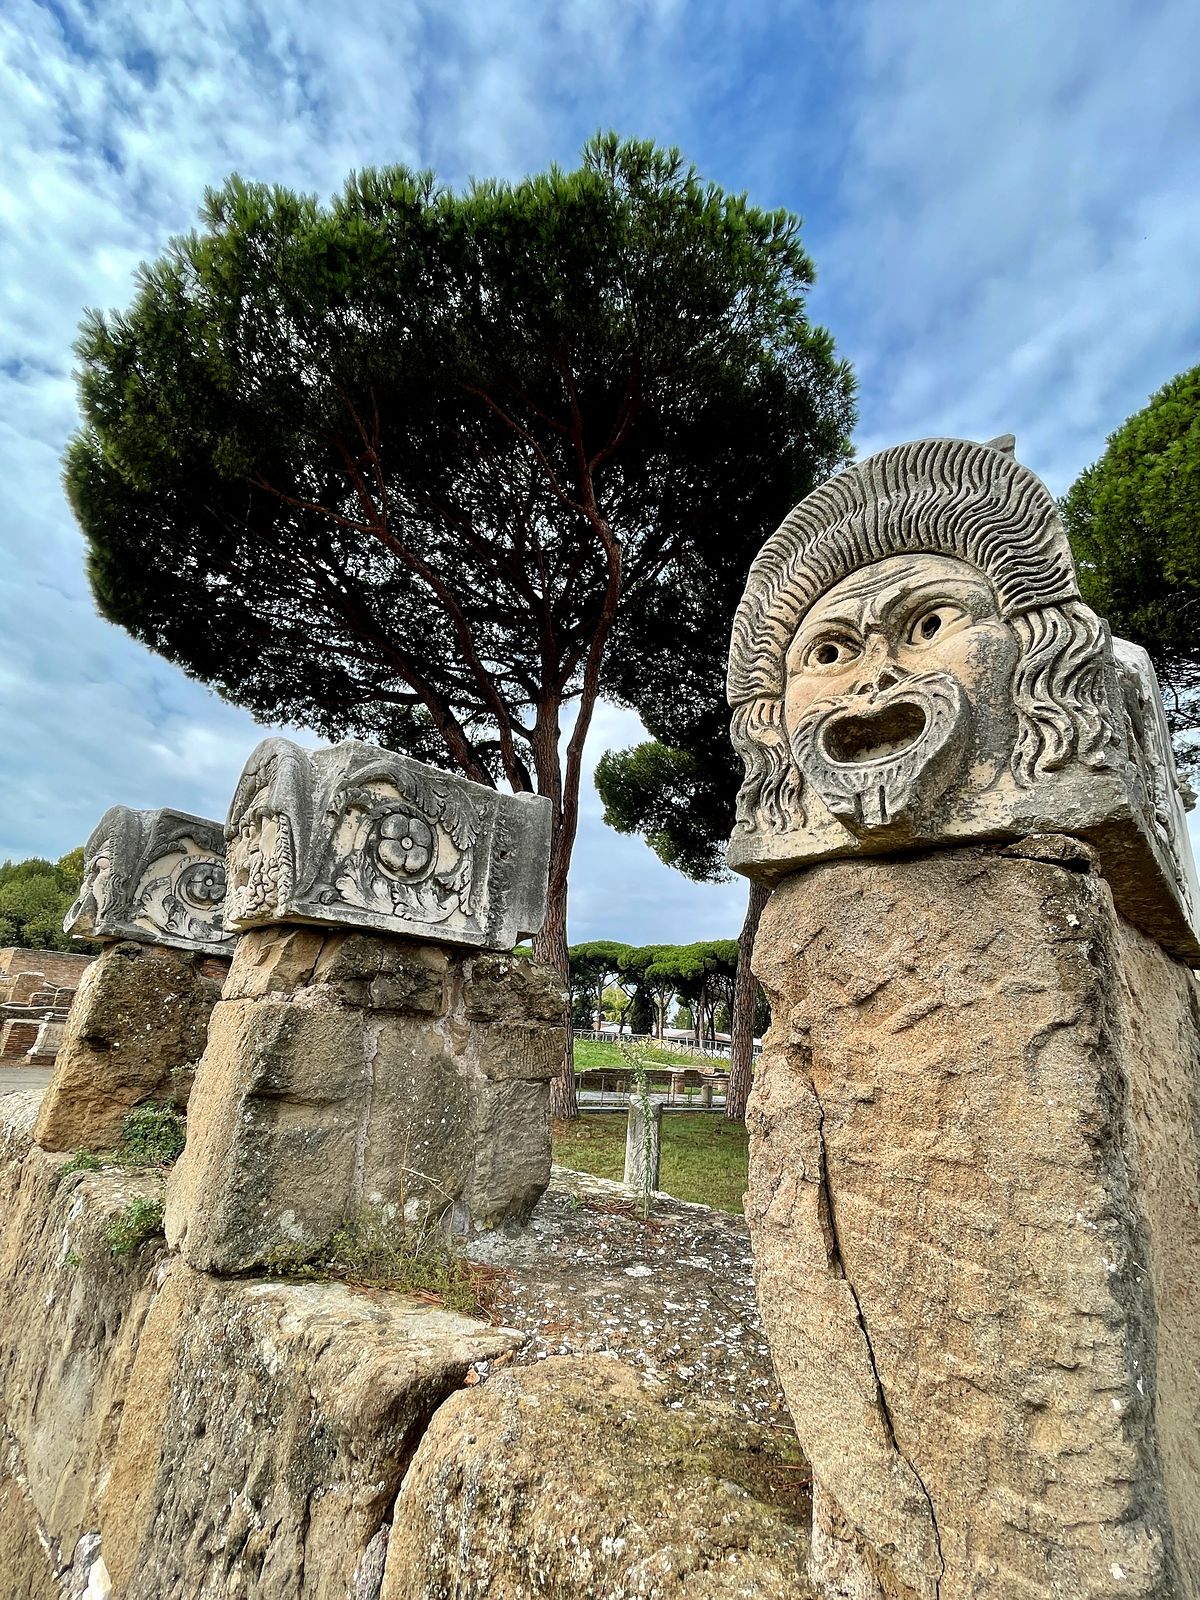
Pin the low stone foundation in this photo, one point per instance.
(58, 969)
(165, 1432)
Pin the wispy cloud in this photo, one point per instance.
(1013, 239)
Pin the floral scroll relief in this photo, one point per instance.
(402, 847)
(357, 836)
(154, 876)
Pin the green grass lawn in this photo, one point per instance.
(703, 1155)
(602, 1053)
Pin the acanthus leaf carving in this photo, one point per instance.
(362, 836)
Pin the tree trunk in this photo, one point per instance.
(741, 1027)
(550, 946)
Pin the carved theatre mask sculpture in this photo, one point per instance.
(912, 665)
(157, 877)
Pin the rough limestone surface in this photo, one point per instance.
(567, 1480)
(26, 1568)
(273, 1424)
(350, 1071)
(135, 1031)
(973, 1193)
(72, 1315)
(167, 1433)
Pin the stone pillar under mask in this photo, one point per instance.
(153, 893)
(973, 1197)
(370, 1052)
(975, 1125)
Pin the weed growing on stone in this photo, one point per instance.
(141, 1220)
(151, 1136)
(81, 1161)
(379, 1251)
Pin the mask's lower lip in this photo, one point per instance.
(858, 738)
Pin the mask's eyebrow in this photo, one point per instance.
(973, 594)
(827, 620)
(851, 592)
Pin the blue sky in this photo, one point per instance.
(1001, 201)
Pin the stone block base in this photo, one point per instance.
(347, 1071)
(135, 1031)
(974, 1185)
(272, 1425)
(567, 1479)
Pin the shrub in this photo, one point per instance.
(151, 1136)
(141, 1220)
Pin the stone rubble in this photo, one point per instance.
(673, 1297)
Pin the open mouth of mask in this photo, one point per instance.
(883, 764)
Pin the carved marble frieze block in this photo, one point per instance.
(912, 665)
(362, 837)
(157, 877)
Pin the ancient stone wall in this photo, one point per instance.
(61, 969)
(166, 1432)
(36, 990)
(349, 1071)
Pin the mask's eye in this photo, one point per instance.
(933, 626)
(830, 652)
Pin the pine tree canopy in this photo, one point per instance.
(1133, 519)
(386, 467)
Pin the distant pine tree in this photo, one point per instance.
(1133, 519)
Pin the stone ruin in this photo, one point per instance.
(152, 893)
(974, 1165)
(207, 1416)
(377, 1044)
(974, 1174)
(36, 990)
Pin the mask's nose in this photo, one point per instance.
(879, 670)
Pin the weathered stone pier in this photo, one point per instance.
(975, 1169)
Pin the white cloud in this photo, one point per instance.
(1019, 221)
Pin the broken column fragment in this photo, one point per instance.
(153, 891)
(974, 1168)
(368, 1053)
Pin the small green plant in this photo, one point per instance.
(72, 1259)
(379, 1250)
(141, 1220)
(81, 1161)
(151, 1136)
